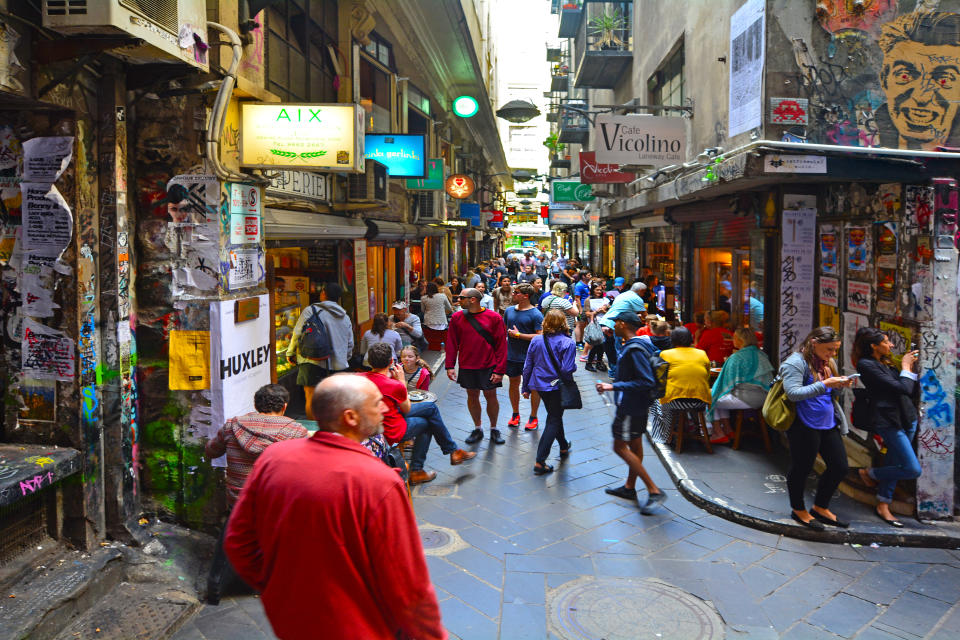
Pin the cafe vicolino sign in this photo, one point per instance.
(640, 140)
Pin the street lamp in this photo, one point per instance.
(518, 111)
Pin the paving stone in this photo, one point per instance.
(709, 539)
(682, 550)
(741, 553)
(875, 633)
(761, 581)
(229, 625)
(940, 582)
(607, 512)
(479, 565)
(844, 615)
(523, 588)
(489, 542)
(789, 563)
(523, 622)
(546, 535)
(549, 564)
(562, 548)
(914, 613)
(853, 568)
(477, 593)
(803, 631)
(554, 580)
(627, 566)
(881, 584)
(466, 622)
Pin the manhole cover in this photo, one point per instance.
(437, 491)
(440, 541)
(623, 608)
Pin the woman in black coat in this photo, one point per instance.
(890, 413)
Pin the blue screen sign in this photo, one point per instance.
(404, 154)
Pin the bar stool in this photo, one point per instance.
(756, 418)
(692, 419)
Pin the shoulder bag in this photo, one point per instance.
(778, 411)
(569, 391)
(479, 329)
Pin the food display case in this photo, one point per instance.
(291, 296)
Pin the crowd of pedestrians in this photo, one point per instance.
(532, 319)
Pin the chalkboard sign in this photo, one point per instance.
(322, 257)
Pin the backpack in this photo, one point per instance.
(315, 341)
(661, 368)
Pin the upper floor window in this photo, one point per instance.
(380, 50)
(666, 84)
(299, 43)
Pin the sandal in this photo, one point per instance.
(542, 470)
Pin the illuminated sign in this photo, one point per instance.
(301, 136)
(434, 179)
(403, 153)
(465, 106)
(456, 223)
(460, 186)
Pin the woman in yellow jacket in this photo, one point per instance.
(688, 378)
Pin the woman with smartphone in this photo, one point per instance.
(890, 412)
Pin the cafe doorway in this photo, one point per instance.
(730, 279)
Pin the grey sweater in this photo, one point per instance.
(793, 370)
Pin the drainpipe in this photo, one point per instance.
(219, 111)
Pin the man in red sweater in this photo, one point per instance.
(325, 531)
(478, 337)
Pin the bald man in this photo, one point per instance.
(321, 515)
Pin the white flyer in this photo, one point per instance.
(47, 220)
(46, 158)
(746, 67)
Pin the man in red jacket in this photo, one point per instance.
(325, 531)
(478, 338)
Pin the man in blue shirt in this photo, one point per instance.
(523, 321)
(626, 301)
(581, 290)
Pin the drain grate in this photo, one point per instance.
(127, 613)
(625, 608)
(440, 541)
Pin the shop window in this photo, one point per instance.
(666, 85)
(418, 100)
(298, 55)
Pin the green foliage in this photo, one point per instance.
(556, 147)
(605, 25)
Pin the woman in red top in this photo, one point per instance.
(716, 339)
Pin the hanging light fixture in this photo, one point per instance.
(518, 111)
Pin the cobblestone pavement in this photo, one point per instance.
(517, 556)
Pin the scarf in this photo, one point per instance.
(749, 365)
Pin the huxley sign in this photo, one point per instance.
(649, 140)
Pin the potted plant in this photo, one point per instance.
(556, 147)
(606, 25)
(571, 5)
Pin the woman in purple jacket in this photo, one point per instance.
(540, 375)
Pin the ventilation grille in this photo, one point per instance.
(66, 7)
(163, 12)
(22, 525)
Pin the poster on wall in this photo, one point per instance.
(901, 337)
(887, 245)
(46, 354)
(829, 291)
(830, 317)
(887, 291)
(46, 158)
(829, 263)
(189, 360)
(193, 199)
(796, 277)
(851, 322)
(858, 248)
(239, 362)
(360, 270)
(746, 67)
(246, 268)
(47, 220)
(858, 296)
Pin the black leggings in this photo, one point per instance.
(805, 444)
(596, 354)
(554, 427)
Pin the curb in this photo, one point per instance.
(719, 505)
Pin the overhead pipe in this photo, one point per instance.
(218, 113)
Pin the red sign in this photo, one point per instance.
(497, 215)
(460, 186)
(592, 172)
(545, 211)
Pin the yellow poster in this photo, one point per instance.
(830, 317)
(901, 337)
(189, 360)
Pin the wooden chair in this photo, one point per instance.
(756, 418)
(693, 420)
(406, 450)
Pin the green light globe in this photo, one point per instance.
(465, 106)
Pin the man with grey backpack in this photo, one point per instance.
(322, 340)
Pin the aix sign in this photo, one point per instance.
(570, 191)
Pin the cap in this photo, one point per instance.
(618, 281)
(399, 304)
(629, 317)
(654, 317)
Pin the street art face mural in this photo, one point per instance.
(887, 76)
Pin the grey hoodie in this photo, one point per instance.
(338, 324)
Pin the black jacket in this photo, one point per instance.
(634, 378)
(891, 404)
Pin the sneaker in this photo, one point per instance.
(475, 436)
(460, 455)
(652, 502)
(514, 421)
(532, 424)
(622, 492)
(495, 437)
(583, 358)
(590, 367)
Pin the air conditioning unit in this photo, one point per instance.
(430, 206)
(369, 187)
(170, 30)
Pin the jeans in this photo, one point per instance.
(612, 346)
(805, 443)
(554, 427)
(902, 463)
(424, 421)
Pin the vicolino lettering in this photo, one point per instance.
(235, 365)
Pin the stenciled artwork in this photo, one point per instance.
(858, 248)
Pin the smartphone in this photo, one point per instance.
(853, 376)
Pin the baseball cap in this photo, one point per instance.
(618, 281)
(399, 304)
(629, 317)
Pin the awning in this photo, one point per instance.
(281, 224)
(393, 231)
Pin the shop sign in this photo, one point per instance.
(404, 154)
(434, 179)
(299, 136)
(244, 213)
(776, 163)
(244, 229)
(570, 191)
(643, 140)
(593, 172)
(456, 223)
(565, 216)
(494, 218)
(302, 184)
(470, 211)
(460, 186)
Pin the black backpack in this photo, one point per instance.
(660, 369)
(315, 341)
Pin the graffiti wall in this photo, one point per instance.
(877, 73)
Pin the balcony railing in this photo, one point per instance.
(604, 44)
(574, 128)
(570, 22)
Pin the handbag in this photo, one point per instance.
(860, 415)
(778, 411)
(569, 391)
(593, 334)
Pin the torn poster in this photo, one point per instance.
(245, 268)
(46, 354)
(37, 299)
(47, 220)
(193, 198)
(46, 158)
(10, 150)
